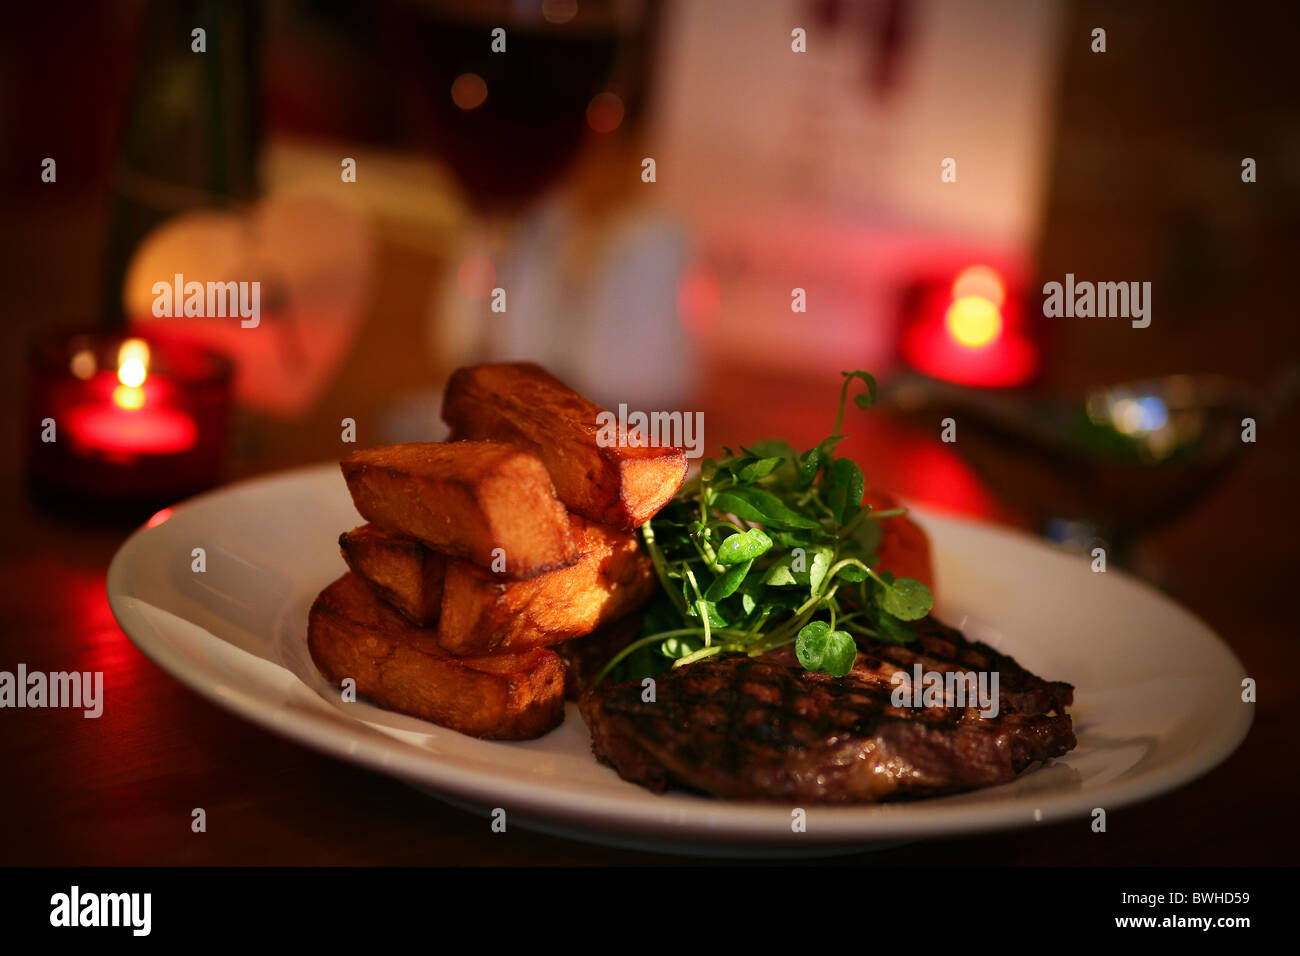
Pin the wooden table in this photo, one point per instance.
(121, 789)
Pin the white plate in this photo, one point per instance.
(1157, 701)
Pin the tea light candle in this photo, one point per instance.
(124, 419)
(971, 334)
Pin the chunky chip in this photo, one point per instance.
(489, 503)
(481, 612)
(525, 405)
(351, 633)
(403, 570)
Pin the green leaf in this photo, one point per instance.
(892, 630)
(906, 599)
(869, 398)
(743, 547)
(821, 563)
(810, 462)
(827, 447)
(785, 474)
(744, 578)
(754, 504)
(779, 576)
(792, 539)
(810, 646)
(711, 610)
(851, 573)
(846, 487)
(758, 469)
(753, 586)
(840, 656)
(820, 649)
(725, 584)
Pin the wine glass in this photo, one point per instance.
(508, 113)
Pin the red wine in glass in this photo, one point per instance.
(520, 118)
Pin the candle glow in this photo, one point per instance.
(129, 398)
(133, 363)
(974, 321)
(139, 421)
(971, 333)
(981, 281)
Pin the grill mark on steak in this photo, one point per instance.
(765, 729)
(942, 649)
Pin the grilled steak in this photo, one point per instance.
(765, 729)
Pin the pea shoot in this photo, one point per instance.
(768, 547)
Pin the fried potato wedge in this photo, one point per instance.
(525, 405)
(483, 614)
(405, 572)
(352, 633)
(466, 499)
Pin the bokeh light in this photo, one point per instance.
(83, 364)
(981, 281)
(129, 397)
(699, 301)
(132, 373)
(468, 91)
(559, 11)
(476, 277)
(133, 362)
(973, 321)
(605, 112)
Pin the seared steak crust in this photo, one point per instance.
(941, 648)
(765, 729)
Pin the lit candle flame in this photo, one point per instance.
(132, 370)
(974, 321)
(133, 363)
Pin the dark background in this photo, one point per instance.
(1185, 88)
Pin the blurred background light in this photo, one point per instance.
(129, 397)
(83, 364)
(559, 11)
(476, 277)
(469, 91)
(974, 321)
(981, 281)
(605, 112)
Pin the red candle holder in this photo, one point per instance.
(124, 420)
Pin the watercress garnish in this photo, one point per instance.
(771, 547)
